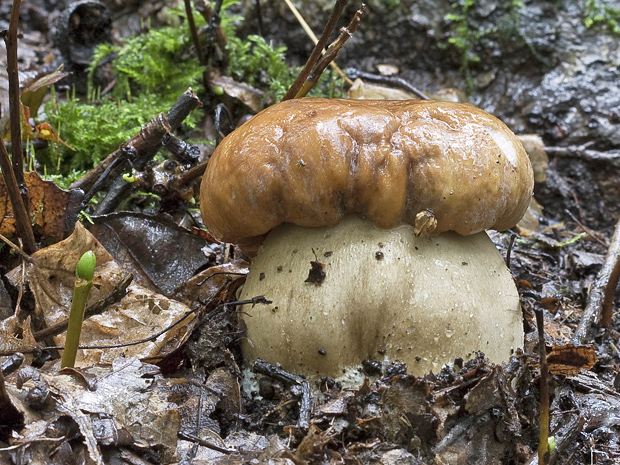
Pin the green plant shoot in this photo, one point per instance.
(84, 273)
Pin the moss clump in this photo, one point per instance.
(262, 65)
(151, 71)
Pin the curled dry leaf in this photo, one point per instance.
(209, 282)
(535, 148)
(51, 208)
(249, 95)
(137, 316)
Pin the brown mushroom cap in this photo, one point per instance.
(312, 161)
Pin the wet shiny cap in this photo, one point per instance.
(438, 166)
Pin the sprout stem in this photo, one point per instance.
(83, 282)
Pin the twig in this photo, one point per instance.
(330, 54)
(259, 17)
(13, 169)
(395, 81)
(207, 12)
(14, 108)
(264, 368)
(203, 442)
(589, 231)
(543, 439)
(194, 32)
(4, 353)
(581, 151)
(15, 247)
(146, 142)
(601, 296)
(22, 219)
(318, 49)
(564, 438)
(313, 37)
(305, 406)
(509, 249)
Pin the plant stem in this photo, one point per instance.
(543, 441)
(83, 282)
(14, 106)
(80, 294)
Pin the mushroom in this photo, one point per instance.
(366, 220)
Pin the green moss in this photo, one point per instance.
(259, 64)
(151, 71)
(264, 66)
(598, 12)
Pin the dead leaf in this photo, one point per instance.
(249, 95)
(132, 237)
(45, 132)
(32, 96)
(569, 360)
(137, 316)
(49, 208)
(535, 148)
(209, 282)
(129, 406)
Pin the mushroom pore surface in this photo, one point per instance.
(312, 161)
(387, 295)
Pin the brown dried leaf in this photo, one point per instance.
(569, 360)
(226, 386)
(129, 406)
(33, 95)
(535, 148)
(132, 239)
(49, 206)
(209, 282)
(137, 316)
(249, 95)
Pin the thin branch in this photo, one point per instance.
(147, 141)
(194, 32)
(203, 442)
(395, 81)
(589, 231)
(16, 248)
(23, 227)
(255, 300)
(13, 168)
(14, 111)
(601, 296)
(318, 49)
(582, 151)
(330, 55)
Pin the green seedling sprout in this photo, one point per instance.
(84, 273)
